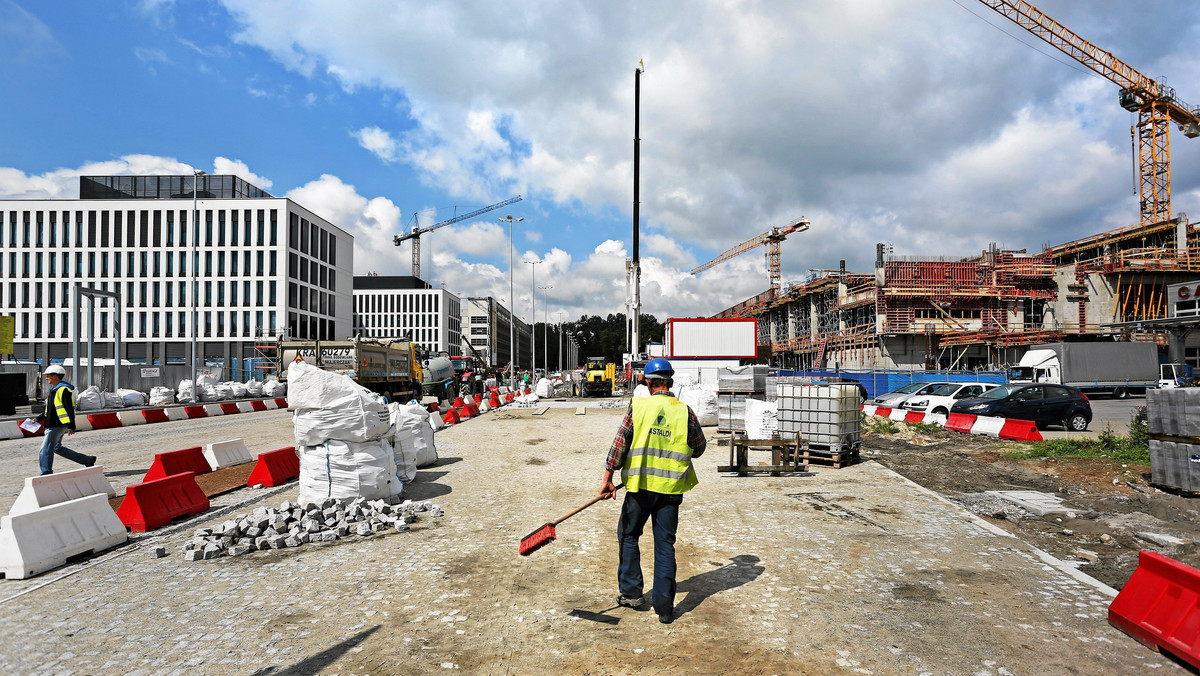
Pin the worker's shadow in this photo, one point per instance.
(744, 569)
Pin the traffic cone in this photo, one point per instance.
(465, 412)
(458, 402)
(451, 417)
(494, 402)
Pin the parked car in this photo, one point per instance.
(942, 396)
(895, 397)
(1041, 404)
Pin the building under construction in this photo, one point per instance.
(979, 311)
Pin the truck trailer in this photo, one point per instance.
(1118, 369)
(388, 367)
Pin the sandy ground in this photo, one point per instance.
(1112, 520)
(855, 570)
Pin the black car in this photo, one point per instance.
(1042, 404)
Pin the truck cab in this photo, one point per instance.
(598, 378)
(1174, 375)
(1037, 366)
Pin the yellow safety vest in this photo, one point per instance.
(59, 408)
(659, 459)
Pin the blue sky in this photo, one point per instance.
(934, 125)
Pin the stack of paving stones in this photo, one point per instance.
(292, 525)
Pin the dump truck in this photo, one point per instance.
(391, 367)
(1118, 369)
(599, 377)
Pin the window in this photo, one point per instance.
(145, 234)
(303, 235)
(293, 231)
(208, 227)
(170, 242)
(221, 264)
(272, 270)
(221, 228)
(261, 226)
(293, 265)
(258, 269)
(272, 302)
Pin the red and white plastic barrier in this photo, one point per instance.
(1001, 428)
(11, 429)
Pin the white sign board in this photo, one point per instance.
(712, 338)
(151, 372)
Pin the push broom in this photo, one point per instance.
(545, 534)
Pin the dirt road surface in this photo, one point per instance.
(851, 571)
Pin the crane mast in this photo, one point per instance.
(417, 231)
(1154, 102)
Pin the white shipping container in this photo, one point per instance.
(728, 338)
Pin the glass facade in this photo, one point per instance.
(225, 186)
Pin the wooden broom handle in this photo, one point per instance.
(589, 504)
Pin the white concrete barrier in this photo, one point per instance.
(987, 425)
(82, 424)
(435, 421)
(213, 410)
(43, 491)
(483, 406)
(270, 403)
(35, 542)
(225, 453)
(176, 413)
(245, 407)
(898, 414)
(134, 417)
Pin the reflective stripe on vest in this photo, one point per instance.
(59, 409)
(659, 459)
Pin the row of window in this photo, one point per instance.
(312, 300)
(307, 327)
(151, 324)
(141, 228)
(312, 239)
(397, 302)
(143, 294)
(143, 264)
(312, 272)
(396, 321)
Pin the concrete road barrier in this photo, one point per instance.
(35, 542)
(225, 453)
(51, 489)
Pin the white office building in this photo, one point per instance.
(257, 266)
(398, 306)
(487, 325)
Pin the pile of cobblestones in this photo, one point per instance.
(292, 525)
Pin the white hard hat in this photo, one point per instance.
(56, 370)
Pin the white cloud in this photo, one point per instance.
(63, 183)
(222, 165)
(378, 142)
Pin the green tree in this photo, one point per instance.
(605, 336)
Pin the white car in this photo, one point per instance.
(894, 397)
(940, 397)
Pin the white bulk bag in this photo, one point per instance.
(346, 470)
(254, 388)
(544, 388)
(187, 393)
(89, 400)
(161, 396)
(703, 402)
(762, 419)
(132, 397)
(332, 406)
(274, 388)
(112, 400)
(238, 390)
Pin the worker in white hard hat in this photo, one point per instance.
(59, 419)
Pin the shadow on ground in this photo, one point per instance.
(743, 569)
(317, 663)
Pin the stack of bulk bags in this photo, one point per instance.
(254, 388)
(342, 432)
(544, 389)
(703, 401)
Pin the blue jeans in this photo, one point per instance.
(53, 444)
(663, 512)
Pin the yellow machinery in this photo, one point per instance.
(598, 378)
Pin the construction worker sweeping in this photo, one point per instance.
(654, 449)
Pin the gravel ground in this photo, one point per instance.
(855, 570)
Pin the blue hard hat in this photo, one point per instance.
(658, 368)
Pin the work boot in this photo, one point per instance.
(666, 619)
(91, 461)
(635, 602)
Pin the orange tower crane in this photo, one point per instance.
(1154, 102)
(771, 238)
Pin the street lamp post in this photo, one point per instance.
(546, 328)
(533, 318)
(196, 174)
(512, 320)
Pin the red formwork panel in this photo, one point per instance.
(176, 462)
(155, 415)
(153, 504)
(258, 405)
(195, 411)
(230, 408)
(275, 468)
(1160, 606)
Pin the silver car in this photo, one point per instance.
(895, 398)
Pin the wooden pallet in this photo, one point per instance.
(833, 460)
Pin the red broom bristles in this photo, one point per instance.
(537, 539)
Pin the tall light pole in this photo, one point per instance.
(196, 174)
(512, 319)
(533, 317)
(546, 328)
